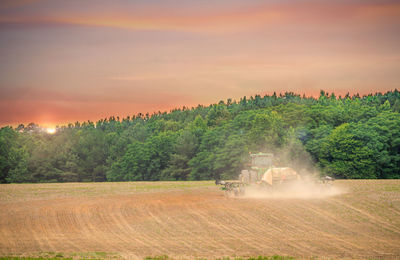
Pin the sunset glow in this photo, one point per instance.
(51, 130)
(67, 61)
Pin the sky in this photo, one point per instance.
(67, 61)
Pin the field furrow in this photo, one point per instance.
(201, 222)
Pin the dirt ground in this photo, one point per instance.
(195, 219)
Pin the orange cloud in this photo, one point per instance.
(228, 20)
(89, 73)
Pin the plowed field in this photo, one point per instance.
(194, 219)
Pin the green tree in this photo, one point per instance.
(7, 152)
(185, 150)
(347, 154)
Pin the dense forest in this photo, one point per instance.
(346, 137)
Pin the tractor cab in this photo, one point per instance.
(261, 161)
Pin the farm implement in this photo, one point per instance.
(263, 176)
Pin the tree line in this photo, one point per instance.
(345, 137)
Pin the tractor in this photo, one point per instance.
(262, 175)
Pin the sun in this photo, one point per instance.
(50, 130)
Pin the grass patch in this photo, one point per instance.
(162, 257)
(392, 188)
(33, 258)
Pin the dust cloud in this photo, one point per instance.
(297, 190)
(310, 184)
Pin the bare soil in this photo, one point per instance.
(195, 219)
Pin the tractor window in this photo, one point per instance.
(261, 161)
